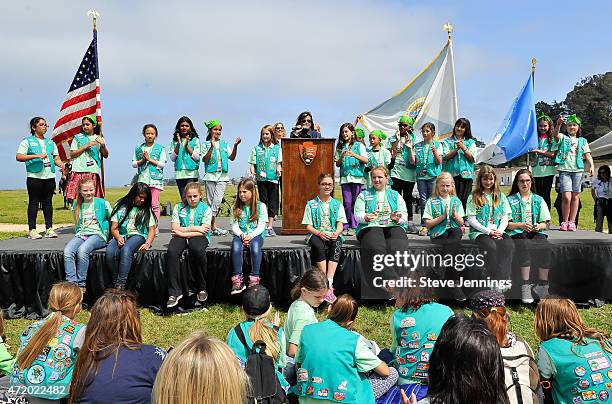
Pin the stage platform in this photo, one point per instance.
(581, 268)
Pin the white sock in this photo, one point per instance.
(330, 281)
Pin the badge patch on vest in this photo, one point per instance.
(302, 375)
(604, 395)
(422, 366)
(408, 322)
(316, 379)
(580, 371)
(414, 345)
(323, 393)
(424, 356)
(339, 396)
(309, 390)
(432, 336)
(597, 378)
(342, 386)
(584, 384)
(411, 358)
(589, 395)
(416, 335)
(428, 345)
(599, 363)
(36, 374)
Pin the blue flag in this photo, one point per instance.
(517, 133)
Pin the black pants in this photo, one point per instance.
(197, 257)
(543, 186)
(40, 192)
(603, 208)
(268, 194)
(324, 250)
(531, 245)
(405, 189)
(182, 183)
(449, 240)
(463, 186)
(498, 257)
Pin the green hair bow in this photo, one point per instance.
(92, 118)
(573, 118)
(359, 133)
(379, 134)
(407, 119)
(544, 117)
(212, 123)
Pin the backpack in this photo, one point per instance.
(261, 369)
(523, 385)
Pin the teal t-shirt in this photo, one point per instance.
(84, 163)
(545, 166)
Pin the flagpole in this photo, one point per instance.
(533, 68)
(94, 15)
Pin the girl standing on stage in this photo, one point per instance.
(40, 156)
(544, 168)
(248, 226)
(351, 157)
(150, 159)
(324, 217)
(185, 151)
(488, 214)
(403, 174)
(427, 159)
(460, 153)
(530, 215)
(216, 154)
(87, 150)
(190, 229)
(92, 228)
(573, 150)
(265, 165)
(602, 195)
(133, 227)
(378, 155)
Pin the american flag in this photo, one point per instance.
(83, 99)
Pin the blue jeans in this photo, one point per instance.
(254, 248)
(425, 188)
(76, 257)
(119, 259)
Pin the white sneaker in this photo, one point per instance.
(541, 291)
(526, 295)
(34, 235)
(50, 233)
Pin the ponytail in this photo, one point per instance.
(313, 280)
(496, 319)
(260, 331)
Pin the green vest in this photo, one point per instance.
(564, 148)
(93, 151)
(36, 165)
(243, 222)
(211, 166)
(123, 219)
(328, 371)
(545, 145)
(350, 165)
(54, 366)
(266, 160)
(416, 333)
(583, 371)
(184, 161)
(373, 163)
(370, 204)
(483, 214)
(518, 214)
(184, 211)
(156, 173)
(315, 213)
(459, 164)
(403, 153)
(101, 216)
(426, 164)
(437, 209)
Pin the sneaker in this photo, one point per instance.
(34, 235)
(50, 233)
(350, 232)
(502, 290)
(173, 301)
(254, 280)
(202, 296)
(423, 231)
(541, 290)
(564, 226)
(345, 232)
(271, 232)
(571, 226)
(237, 284)
(219, 232)
(330, 297)
(526, 295)
(119, 286)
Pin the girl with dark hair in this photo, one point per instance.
(114, 366)
(351, 157)
(573, 151)
(265, 166)
(87, 150)
(185, 151)
(460, 154)
(150, 159)
(602, 195)
(466, 365)
(248, 226)
(544, 167)
(190, 229)
(530, 216)
(305, 127)
(133, 227)
(216, 153)
(40, 156)
(323, 217)
(378, 155)
(403, 176)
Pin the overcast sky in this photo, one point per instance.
(249, 63)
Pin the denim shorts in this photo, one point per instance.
(570, 182)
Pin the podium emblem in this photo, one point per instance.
(308, 152)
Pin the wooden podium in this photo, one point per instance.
(303, 161)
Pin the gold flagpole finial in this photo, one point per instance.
(533, 65)
(94, 14)
(449, 29)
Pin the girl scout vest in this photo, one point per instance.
(373, 161)
(184, 212)
(315, 213)
(350, 165)
(584, 372)
(266, 160)
(328, 371)
(438, 208)
(123, 218)
(155, 172)
(564, 148)
(483, 215)
(545, 144)
(459, 164)
(183, 160)
(93, 152)
(54, 366)
(244, 223)
(402, 157)
(36, 165)
(370, 205)
(211, 166)
(518, 214)
(425, 164)
(101, 216)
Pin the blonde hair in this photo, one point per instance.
(79, 200)
(557, 317)
(200, 370)
(261, 331)
(380, 168)
(344, 311)
(188, 187)
(64, 299)
(478, 196)
(444, 175)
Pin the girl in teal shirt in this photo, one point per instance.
(459, 156)
(185, 151)
(544, 164)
